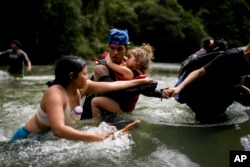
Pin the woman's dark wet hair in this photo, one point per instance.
(65, 66)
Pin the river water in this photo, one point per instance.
(168, 135)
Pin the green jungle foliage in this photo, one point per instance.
(49, 29)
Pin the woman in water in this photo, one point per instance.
(67, 91)
(136, 66)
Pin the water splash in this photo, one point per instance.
(2, 137)
(114, 144)
(245, 141)
(169, 112)
(38, 78)
(48, 150)
(5, 76)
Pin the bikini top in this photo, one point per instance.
(43, 117)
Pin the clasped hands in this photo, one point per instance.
(170, 92)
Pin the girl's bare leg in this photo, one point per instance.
(105, 103)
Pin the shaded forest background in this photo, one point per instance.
(49, 29)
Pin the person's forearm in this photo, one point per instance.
(4, 52)
(246, 90)
(120, 85)
(104, 87)
(147, 89)
(29, 64)
(191, 78)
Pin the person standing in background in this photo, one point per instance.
(17, 58)
(210, 44)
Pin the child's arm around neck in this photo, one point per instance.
(123, 70)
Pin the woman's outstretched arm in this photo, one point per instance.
(104, 87)
(54, 105)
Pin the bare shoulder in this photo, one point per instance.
(100, 68)
(53, 92)
(53, 89)
(99, 71)
(53, 96)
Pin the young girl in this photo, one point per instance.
(135, 67)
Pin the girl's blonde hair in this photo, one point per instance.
(143, 56)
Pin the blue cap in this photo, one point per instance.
(118, 37)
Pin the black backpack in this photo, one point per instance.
(194, 62)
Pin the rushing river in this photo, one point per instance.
(168, 135)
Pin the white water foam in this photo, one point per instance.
(2, 137)
(5, 76)
(169, 112)
(50, 150)
(38, 78)
(245, 141)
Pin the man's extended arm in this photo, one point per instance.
(29, 66)
(27, 61)
(4, 52)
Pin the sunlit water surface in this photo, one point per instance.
(168, 135)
